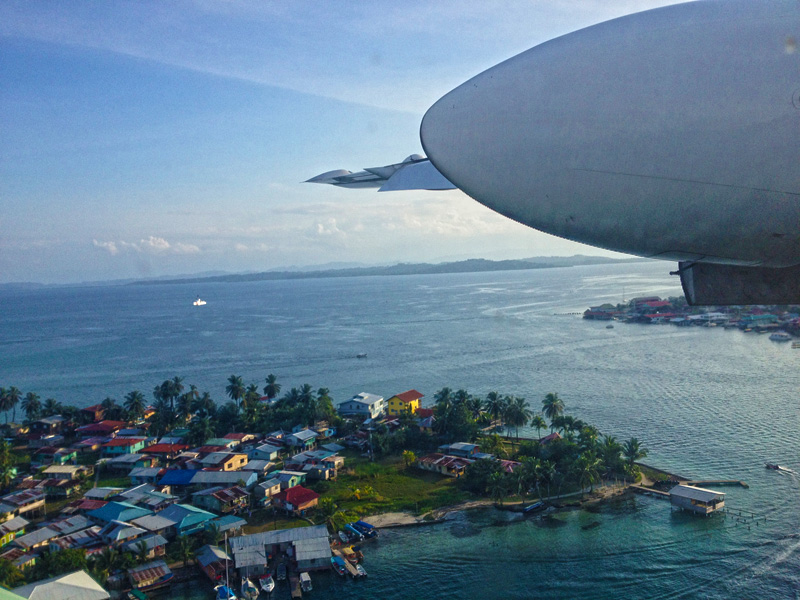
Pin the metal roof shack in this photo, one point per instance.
(150, 574)
(311, 544)
(697, 500)
(64, 587)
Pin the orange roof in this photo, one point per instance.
(409, 396)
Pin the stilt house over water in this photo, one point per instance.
(697, 500)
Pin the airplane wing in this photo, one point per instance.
(414, 173)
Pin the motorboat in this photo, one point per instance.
(344, 537)
(224, 593)
(305, 582)
(780, 336)
(249, 590)
(267, 583)
(337, 562)
(772, 466)
(362, 572)
(199, 302)
(281, 575)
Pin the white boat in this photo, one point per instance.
(199, 302)
(305, 582)
(362, 572)
(343, 537)
(267, 583)
(780, 336)
(224, 593)
(249, 591)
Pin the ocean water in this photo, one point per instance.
(707, 403)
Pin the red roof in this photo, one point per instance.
(236, 436)
(210, 449)
(122, 442)
(297, 495)
(165, 448)
(424, 413)
(657, 304)
(409, 396)
(102, 427)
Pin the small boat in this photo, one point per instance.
(609, 326)
(305, 582)
(536, 506)
(362, 572)
(780, 336)
(362, 355)
(772, 466)
(267, 583)
(249, 590)
(199, 302)
(351, 555)
(796, 345)
(354, 533)
(343, 536)
(224, 593)
(281, 575)
(337, 562)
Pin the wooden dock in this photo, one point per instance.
(706, 482)
(294, 585)
(639, 489)
(350, 568)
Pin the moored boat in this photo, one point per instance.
(305, 582)
(780, 336)
(281, 575)
(343, 536)
(224, 593)
(362, 572)
(249, 590)
(337, 562)
(199, 302)
(267, 583)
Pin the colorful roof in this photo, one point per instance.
(297, 495)
(409, 396)
(118, 511)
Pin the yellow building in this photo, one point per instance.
(406, 402)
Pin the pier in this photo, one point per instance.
(350, 568)
(640, 489)
(706, 482)
(294, 585)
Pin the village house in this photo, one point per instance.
(38, 538)
(289, 479)
(156, 524)
(78, 584)
(186, 519)
(88, 539)
(117, 511)
(115, 533)
(67, 471)
(460, 449)
(19, 558)
(146, 474)
(51, 455)
(22, 503)
(149, 574)
(309, 546)
(165, 451)
(363, 405)
(214, 562)
(146, 496)
(697, 500)
(296, 500)
(224, 443)
(155, 545)
(305, 439)
(92, 414)
(128, 462)
(222, 500)
(452, 466)
(224, 461)
(407, 402)
(267, 489)
(11, 529)
(47, 426)
(101, 429)
(259, 467)
(123, 445)
(265, 452)
(61, 488)
(241, 438)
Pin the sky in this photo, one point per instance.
(148, 138)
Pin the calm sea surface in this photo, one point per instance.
(707, 403)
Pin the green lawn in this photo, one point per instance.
(396, 487)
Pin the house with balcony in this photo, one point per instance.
(296, 500)
(222, 500)
(407, 402)
(123, 445)
(363, 405)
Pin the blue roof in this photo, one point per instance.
(186, 516)
(118, 511)
(177, 477)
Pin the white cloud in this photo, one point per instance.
(111, 247)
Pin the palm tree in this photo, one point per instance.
(141, 551)
(204, 406)
(587, 437)
(213, 535)
(444, 398)
(32, 406)
(548, 473)
(409, 457)
(587, 467)
(14, 396)
(461, 396)
(552, 407)
(5, 402)
(273, 388)
(184, 407)
(251, 395)
(497, 486)
(235, 389)
(475, 407)
(517, 413)
(632, 450)
(494, 405)
(538, 422)
(134, 404)
(185, 550)
(610, 451)
(51, 407)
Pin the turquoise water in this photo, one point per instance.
(707, 403)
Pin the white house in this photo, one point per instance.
(368, 406)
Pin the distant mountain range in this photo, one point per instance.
(474, 265)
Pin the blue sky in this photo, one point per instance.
(152, 138)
